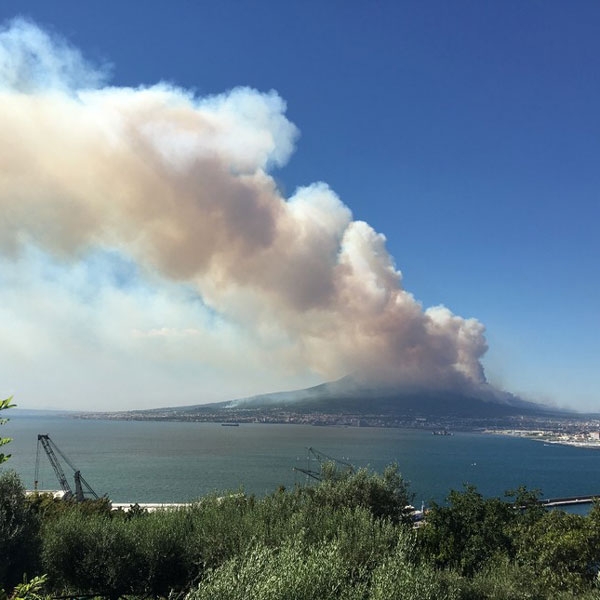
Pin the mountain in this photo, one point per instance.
(348, 396)
(348, 401)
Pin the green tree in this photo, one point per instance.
(386, 495)
(563, 550)
(19, 540)
(28, 590)
(292, 571)
(5, 404)
(469, 531)
(91, 554)
(504, 579)
(111, 555)
(19, 533)
(400, 576)
(528, 505)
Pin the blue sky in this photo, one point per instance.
(468, 133)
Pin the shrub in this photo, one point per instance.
(504, 579)
(293, 571)
(90, 554)
(398, 578)
(563, 551)
(386, 495)
(468, 532)
(95, 554)
(167, 559)
(19, 533)
(4, 405)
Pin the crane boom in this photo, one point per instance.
(321, 459)
(44, 440)
(80, 483)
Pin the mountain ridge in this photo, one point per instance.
(347, 396)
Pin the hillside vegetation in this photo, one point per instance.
(349, 536)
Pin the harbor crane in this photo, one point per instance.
(51, 449)
(321, 458)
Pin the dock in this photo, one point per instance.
(568, 501)
(149, 506)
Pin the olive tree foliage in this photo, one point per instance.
(401, 576)
(385, 495)
(4, 404)
(514, 550)
(28, 590)
(563, 550)
(290, 571)
(326, 569)
(470, 530)
(19, 533)
(341, 538)
(112, 555)
(19, 541)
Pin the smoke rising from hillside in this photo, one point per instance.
(179, 188)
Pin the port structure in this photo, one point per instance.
(51, 450)
(312, 454)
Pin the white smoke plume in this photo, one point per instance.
(175, 193)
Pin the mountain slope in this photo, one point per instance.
(347, 396)
(350, 401)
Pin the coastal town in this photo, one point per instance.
(583, 435)
(571, 429)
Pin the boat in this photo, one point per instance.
(230, 424)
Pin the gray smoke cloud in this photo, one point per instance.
(178, 188)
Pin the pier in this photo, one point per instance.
(568, 501)
(149, 506)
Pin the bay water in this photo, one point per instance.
(145, 461)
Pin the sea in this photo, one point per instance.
(164, 462)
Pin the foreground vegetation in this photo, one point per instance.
(349, 536)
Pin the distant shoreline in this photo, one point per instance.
(581, 431)
(547, 437)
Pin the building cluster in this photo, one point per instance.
(584, 433)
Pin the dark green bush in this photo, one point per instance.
(345, 538)
(386, 495)
(97, 554)
(168, 558)
(468, 532)
(562, 549)
(19, 533)
(49, 507)
(91, 554)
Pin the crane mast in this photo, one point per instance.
(49, 448)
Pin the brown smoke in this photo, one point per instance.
(182, 185)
